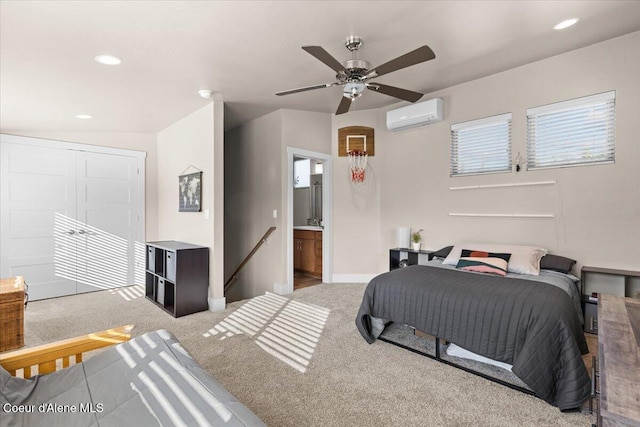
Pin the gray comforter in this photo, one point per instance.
(530, 325)
(149, 381)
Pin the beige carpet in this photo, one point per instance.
(299, 361)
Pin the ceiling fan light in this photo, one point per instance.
(353, 90)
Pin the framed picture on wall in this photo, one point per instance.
(190, 197)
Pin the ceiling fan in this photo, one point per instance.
(355, 74)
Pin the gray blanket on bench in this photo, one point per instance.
(530, 325)
(148, 381)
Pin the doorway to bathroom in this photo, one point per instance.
(309, 222)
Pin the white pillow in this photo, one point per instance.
(524, 259)
(455, 351)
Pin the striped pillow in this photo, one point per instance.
(484, 262)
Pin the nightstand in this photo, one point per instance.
(412, 257)
(625, 285)
(590, 311)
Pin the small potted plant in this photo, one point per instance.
(415, 240)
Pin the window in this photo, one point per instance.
(570, 133)
(481, 146)
(301, 171)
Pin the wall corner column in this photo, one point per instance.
(216, 282)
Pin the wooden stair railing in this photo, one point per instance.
(262, 241)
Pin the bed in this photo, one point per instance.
(532, 322)
(150, 380)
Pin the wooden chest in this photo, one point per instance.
(11, 313)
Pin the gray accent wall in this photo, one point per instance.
(256, 185)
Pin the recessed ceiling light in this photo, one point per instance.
(108, 60)
(566, 24)
(205, 93)
(83, 116)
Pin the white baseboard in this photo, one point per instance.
(353, 278)
(217, 304)
(282, 288)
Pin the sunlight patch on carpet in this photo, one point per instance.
(286, 329)
(129, 293)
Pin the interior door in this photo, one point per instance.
(107, 221)
(69, 219)
(37, 223)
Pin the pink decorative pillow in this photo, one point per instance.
(484, 262)
(524, 259)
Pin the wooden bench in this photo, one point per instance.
(48, 358)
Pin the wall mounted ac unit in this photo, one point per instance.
(418, 114)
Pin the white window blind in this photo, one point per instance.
(570, 133)
(481, 146)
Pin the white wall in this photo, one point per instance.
(255, 185)
(357, 250)
(193, 141)
(596, 208)
(253, 171)
(217, 273)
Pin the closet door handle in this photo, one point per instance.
(82, 232)
(70, 232)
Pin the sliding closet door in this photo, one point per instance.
(38, 209)
(107, 221)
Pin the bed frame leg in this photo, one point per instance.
(437, 348)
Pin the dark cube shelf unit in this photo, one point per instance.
(177, 277)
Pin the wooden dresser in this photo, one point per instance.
(619, 361)
(11, 313)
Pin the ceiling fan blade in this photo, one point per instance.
(421, 54)
(407, 95)
(325, 57)
(344, 106)
(304, 89)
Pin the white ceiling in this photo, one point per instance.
(246, 51)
